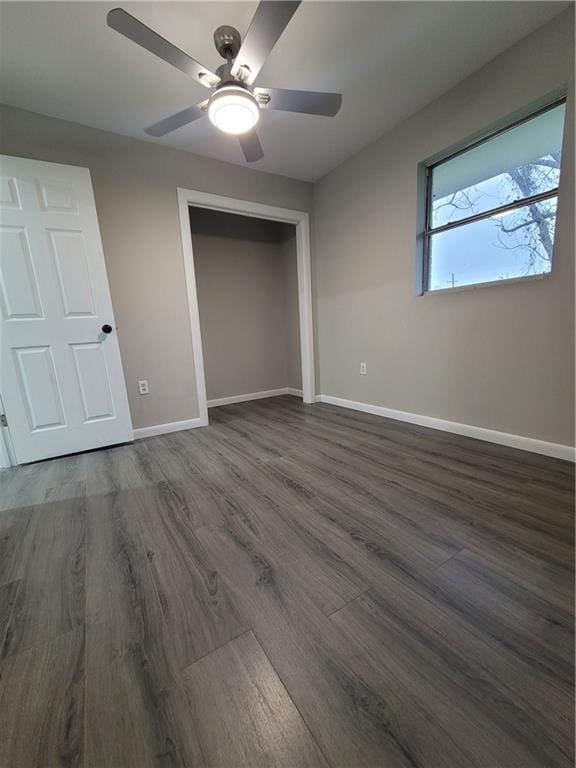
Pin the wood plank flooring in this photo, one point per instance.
(291, 587)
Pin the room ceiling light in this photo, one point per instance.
(233, 109)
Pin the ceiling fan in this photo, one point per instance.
(234, 106)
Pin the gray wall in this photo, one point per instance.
(135, 187)
(499, 357)
(247, 298)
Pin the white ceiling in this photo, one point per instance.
(388, 59)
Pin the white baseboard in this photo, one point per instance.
(254, 396)
(556, 450)
(173, 426)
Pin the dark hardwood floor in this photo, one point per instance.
(291, 586)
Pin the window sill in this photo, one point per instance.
(491, 284)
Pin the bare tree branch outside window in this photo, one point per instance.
(529, 229)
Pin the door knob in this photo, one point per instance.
(106, 328)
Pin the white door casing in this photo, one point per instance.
(61, 377)
(188, 197)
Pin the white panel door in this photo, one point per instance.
(61, 375)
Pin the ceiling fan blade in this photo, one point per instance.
(142, 35)
(308, 102)
(270, 20)
(184, 117)
(251, 146)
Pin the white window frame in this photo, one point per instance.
(423, 272)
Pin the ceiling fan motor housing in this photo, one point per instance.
(227, 41)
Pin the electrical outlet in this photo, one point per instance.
(363, 370)
(143, 387)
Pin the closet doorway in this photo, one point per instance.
(248, 281)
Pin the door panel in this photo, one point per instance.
(56, 197)
(72, 273)
(19, 284)
(93, 381)
(9, 197)
(39, 388)
(61, 378)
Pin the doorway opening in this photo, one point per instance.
(277, 234)
(247, 286)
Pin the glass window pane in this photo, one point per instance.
(516, 164)
(515, 244)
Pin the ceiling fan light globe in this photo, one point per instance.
(234, 110)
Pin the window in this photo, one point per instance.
(491, 208)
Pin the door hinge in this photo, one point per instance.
(3, 420)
